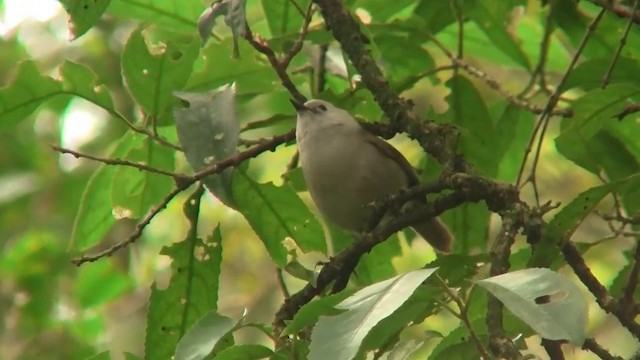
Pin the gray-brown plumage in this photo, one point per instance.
(347, 168)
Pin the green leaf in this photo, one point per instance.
(95, 213)
(402, 58)
(80, 81)
(208, 131)
(192, 293)
(83, 14)
(282, 16)
(105, 355)
(100, 283)
(216, 68)
(244, 352)
(25, 93)
(382, 11)
(436, 15)
(592, 112)
(154, 65)
(478, 134)
(563, 316)
(340, 336)
(134, 192)
(177, 15)
(310, 312)
(588, 75)
(29, 89)
(275, 214)
(493, 18)
(567, 220)
(513, 130)
(203, 336)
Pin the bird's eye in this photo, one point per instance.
(322, 107)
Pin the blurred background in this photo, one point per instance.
(52, 310)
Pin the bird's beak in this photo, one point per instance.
(298, 106)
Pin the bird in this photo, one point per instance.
(346, 169)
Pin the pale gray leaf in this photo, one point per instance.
(208, 132)
(553, 306)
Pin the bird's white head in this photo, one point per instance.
(317, 113)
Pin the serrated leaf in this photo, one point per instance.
(154, 70)
(25, 93)
(192, 293)
(567, 220)
(592, 112)
(83, 14)
(275, 214)
(30, 89)
(95, 213)
(134, 192)
(203, 336)
(340, 336)
(563, 317)
(208, 131)
(80, 81)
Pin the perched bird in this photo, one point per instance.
(347, 168)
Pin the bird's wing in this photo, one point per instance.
(395, 155)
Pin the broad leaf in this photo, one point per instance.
(340, 336)
(552, 305)
(83, 14)
(134, 192)
(208, 131)
(275, 214)
(95, 214)
(157, 65)
(192, 293)
(567, 220)
(203, 336)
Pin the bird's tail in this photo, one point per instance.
(436, 233)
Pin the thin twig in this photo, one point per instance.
(539, 70)
(261, 46)
(297, 45)
(602, 353)
(137, 232)
(619, 10)
(115, 161)
(603, 298)
(548, 110)
(182, 183)
(494, 84)
(623, 41)
(463, 317)
(627, 300)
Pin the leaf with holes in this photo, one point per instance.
(83, 14)
(553, 306)
(208, 131)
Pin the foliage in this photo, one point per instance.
(522, 117)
